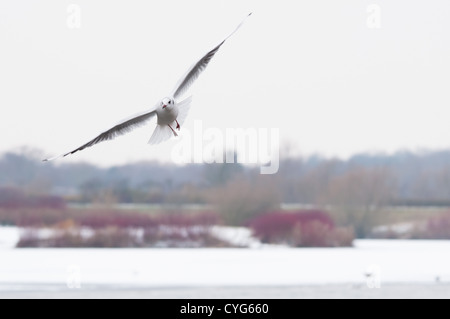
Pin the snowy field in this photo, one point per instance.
(372, 269)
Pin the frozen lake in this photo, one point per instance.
(393, 266)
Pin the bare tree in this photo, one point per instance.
(358, 196)
(243, 198)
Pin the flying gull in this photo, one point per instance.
(170, 112)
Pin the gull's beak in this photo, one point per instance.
(164, 106)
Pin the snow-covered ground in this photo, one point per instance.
(9, 237)
(390, 261)
(368, 264)
(240, 237)
(399, 229)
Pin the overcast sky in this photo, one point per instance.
(317, 70)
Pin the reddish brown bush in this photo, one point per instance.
(277, 226)
(102, 218)
(124, 229)
(109, 237)
(311, 228)
(438, 227)
(13, 198)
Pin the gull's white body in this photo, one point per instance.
(170, 112)
(167, 117)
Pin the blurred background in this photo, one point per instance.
(359, 205)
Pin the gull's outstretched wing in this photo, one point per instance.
(192, 74)
(122, 128)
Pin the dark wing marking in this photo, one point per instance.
(120, 129)
(194, 72)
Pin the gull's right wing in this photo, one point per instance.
(120, 129)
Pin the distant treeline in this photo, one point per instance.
(358, 193)
(406, 178)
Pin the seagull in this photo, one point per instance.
(170, 112)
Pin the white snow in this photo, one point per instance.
(9, 237)
(401, 228)
(398, 261)
(238, 236)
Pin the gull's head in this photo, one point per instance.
(167, 103)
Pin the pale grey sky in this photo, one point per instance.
(313, 69)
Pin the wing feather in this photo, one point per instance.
(193, 73)
(120, 129)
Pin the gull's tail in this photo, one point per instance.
(161, 134)
(183, 109)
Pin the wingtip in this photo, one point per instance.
(51, 159)
(250, 14)
(48, 160)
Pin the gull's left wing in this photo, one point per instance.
(193, 73)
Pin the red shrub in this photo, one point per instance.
(99, 219)
(12, 198)
(278, 226)
(118, 229)
(311, 228)
(438, 227)
(184, 220)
